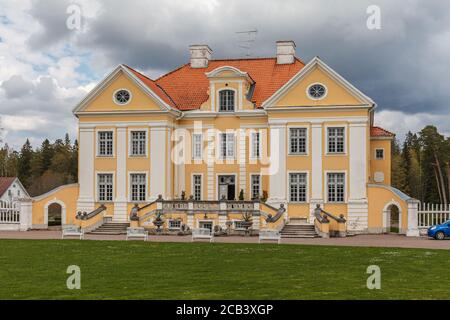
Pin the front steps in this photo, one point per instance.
(111, 228)
(298, 228)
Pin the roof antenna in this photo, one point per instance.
(245, 41)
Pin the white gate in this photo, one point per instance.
(431, 214)
(9, 215)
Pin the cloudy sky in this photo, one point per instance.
(46, 67)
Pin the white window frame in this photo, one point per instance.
(251, 184)
(253, 134)
(130, 144)
(193, 186)
(174, 220)
(194, 145)
(236, 185)
(206, 221)
(234, 225)
(130, 193)
(97, 196)
(219, 145)
(326, 186)
(118, 103)
(375, 154)
(329, 126)
(314, 98)
(97, 144)
(234, 102)
(288, 182)
(306, 142)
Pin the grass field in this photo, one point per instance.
(36, 269)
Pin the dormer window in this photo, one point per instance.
(226, 101)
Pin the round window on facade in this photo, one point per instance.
(317, 91)
(122, 96)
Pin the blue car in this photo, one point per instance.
(440, 231)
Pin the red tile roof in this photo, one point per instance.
(5, 182)
(380, 132)
(186, 88)
(153, 86)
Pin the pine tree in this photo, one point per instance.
(47, 154)
(398, 172)
(24, 163)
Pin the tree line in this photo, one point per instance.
(43, 168)
(421, 166)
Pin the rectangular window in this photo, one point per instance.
(255, 186)
(336, 140)
(175, 224)
(336, 187)
(138, 186)
(227, 145)
(297, 187)
(197, 186)
(238, 225)
(226, 100)
(297, 143)
(256, 145)
(138, 143)
(197, 144)
(105, 187)
(105, 143)
(379, 154)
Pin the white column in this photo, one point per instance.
(277, 179)
(358, 209)
(210, 160)
(169, 166)
(158, 150)
(316, 168)
(26, 214)
(242, 162)
(413, 226)
(120, 202)
(86, 177)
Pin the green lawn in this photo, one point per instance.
(36, 269)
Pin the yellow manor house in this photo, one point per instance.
(274, 143)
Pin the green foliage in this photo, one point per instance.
(42, 169)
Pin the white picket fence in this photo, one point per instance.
(9, 213)
(430, 214)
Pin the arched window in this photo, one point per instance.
(226, 100)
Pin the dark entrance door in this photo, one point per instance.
(227, 187)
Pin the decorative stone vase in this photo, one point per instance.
(158, 222)
(247, 225)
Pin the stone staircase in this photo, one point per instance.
(298, 228)
(111, 228)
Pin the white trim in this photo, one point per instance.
(375, 154)
(218, 145)
(207, 221)
(122, 104)
(337, 125)
(96, 186)
(193, 134)
(45, 195)
(171, 220)
(235, 104)
(289, 127)
(250, 186)
(316, 61)
(201, 184)
(236, 185)
(97, 142)
(346, 119)
(386, 215)
(101, 86)
(288, 185)
(252, 156)
(147, 178)
(130, 146)
(313, 98)
(238, 73)
(326, 172)
(63, 211)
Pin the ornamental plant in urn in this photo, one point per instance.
(158, 221)
(247, 221)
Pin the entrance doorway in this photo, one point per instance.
(227, 187)
(206, 225)
(54, 215)
(394, 219)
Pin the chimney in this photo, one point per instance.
(200, 55)
(285, 52)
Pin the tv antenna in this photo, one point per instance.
(246, 39)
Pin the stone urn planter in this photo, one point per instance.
(247, 222)
(158, 222)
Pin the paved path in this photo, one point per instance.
(386, 240)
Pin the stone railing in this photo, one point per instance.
(322, 224)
